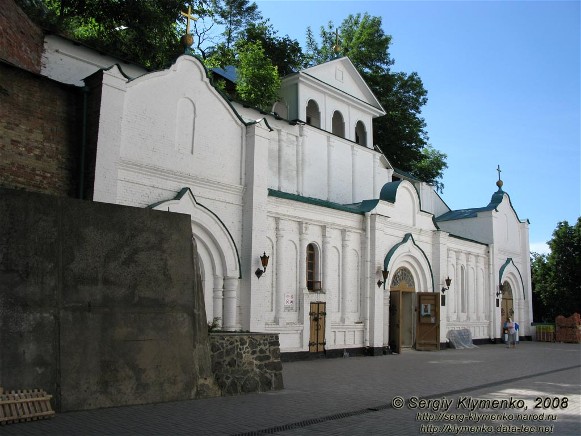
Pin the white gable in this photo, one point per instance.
(342, 75)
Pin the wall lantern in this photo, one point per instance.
(264, 262)
(384, 273)
(498, 294)
(444, 289)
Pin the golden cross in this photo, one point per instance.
(336, 47)
(189, 17)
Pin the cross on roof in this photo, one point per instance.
(337, 47)
(189, 17)
(499, 171)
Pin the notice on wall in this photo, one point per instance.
(289, 300)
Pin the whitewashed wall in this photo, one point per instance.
(70, 62)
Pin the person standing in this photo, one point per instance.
(511, 334)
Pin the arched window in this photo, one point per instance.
(313, 114)
(403, 278)
(313, 268)
(338, 124)
(360, 133)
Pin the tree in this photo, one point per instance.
(430, 167)
(285, 53)
(258, 79)
(235, 16)
(143, 31)
(401, 133)
(557, 276)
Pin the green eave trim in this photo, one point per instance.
(501, 273)
(180, 195)
(467, 239)
(393, 249)
(357, 208)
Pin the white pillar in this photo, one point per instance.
(385, 315)
(354, 178)
(471, 288)
(480, 310)
(344, 276)
(303, 257)
(301, 159)
(230, 293)
(280, 151)
(279, 318)
(218, 297)
(330, 146)
(326, 262)
(459, 287)
(451, 297)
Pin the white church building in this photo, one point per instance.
(358, 255)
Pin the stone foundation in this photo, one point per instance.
(246, 362)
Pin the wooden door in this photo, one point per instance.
(394, 321)
(317, 316)
(428, 321)
(507, 308)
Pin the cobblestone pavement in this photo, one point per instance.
(537, 385)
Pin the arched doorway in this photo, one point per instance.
(507, 306)
(401, 310)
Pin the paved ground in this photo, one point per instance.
(360, 396)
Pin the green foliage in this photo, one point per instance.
(142, 31)
(557, 276)
(361, 38)
(234, 16)
(285, 53)
(214, 326)
(258, 79)
(430, 167)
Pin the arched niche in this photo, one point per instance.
(313, 114)
(338, 124)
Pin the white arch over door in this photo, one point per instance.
(408, 255)
(218, 253)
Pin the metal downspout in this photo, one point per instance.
(85, 91)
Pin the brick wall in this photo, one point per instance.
(22, 41)
(40, 132)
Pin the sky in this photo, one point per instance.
(503, 81)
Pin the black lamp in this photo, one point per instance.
(384, 273)
(264, 261)
(498, 293)
(444, 289)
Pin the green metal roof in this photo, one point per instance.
(473, 212)
(358, 208)
(406, 174)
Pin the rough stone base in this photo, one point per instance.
(246, 362)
